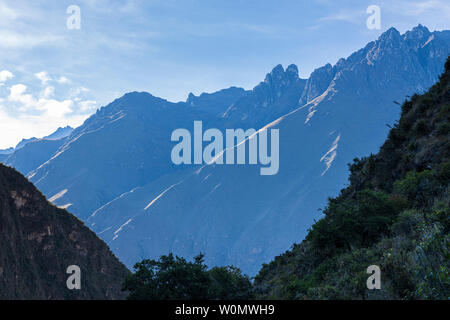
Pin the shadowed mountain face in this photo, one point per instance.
(38, 242)
(217, 102)
(115, 171)
(60, 133)
(3, 157)
(277, 95)
(31, 153)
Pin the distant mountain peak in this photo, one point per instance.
(7, 151)
(390, 34)
(138, 95)
(279, 77)
(190, 99)
(60, 133)
(277, 73)
(23, 142)
(292, 69)
(278, 69)
(420, 28)
(418, 32)
(215, 102)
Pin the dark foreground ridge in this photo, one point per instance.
(39, 241)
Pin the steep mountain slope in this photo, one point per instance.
(60, 133)
(39, 241)
(116, 171)
(3, 157)
(217, 102)
(123, 145)
(23, 142)
(394, 214)
(6, 151)
(276, 96)
(127, 144)
(31, 153)
(236, 216)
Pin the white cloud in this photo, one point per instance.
(49, 91)
(11, 39)
(7, 13)
(87, 105)
(17, 94)
(76, 92)
(53, 108)
(82, 89)
(14, 129)
(5, 75)
(43, 76)
(29, 116)
(351, 16)
(63, 80)
(418, 8)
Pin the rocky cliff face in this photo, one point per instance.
(277, 95)
(39, 241)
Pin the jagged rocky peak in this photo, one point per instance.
(389, 39)
(292, 70)
(417, 32)
(317, 83)
(216, 102)
(279, 79)
(60, 133)
(390, 33)
(278, 74)
(190, 99)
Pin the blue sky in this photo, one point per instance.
(51, 76)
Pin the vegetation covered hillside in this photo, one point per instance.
(394, 214)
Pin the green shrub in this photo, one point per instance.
(407, 222)
(421, 127)
(357, 222)
(443, 129)
(174, 278)
(417, 186)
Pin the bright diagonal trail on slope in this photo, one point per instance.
(162, 193)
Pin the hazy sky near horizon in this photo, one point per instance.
(52, 76)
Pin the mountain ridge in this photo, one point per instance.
(120, 163)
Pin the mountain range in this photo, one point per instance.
(115, 172)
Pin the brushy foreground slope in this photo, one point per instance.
(394, 214)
